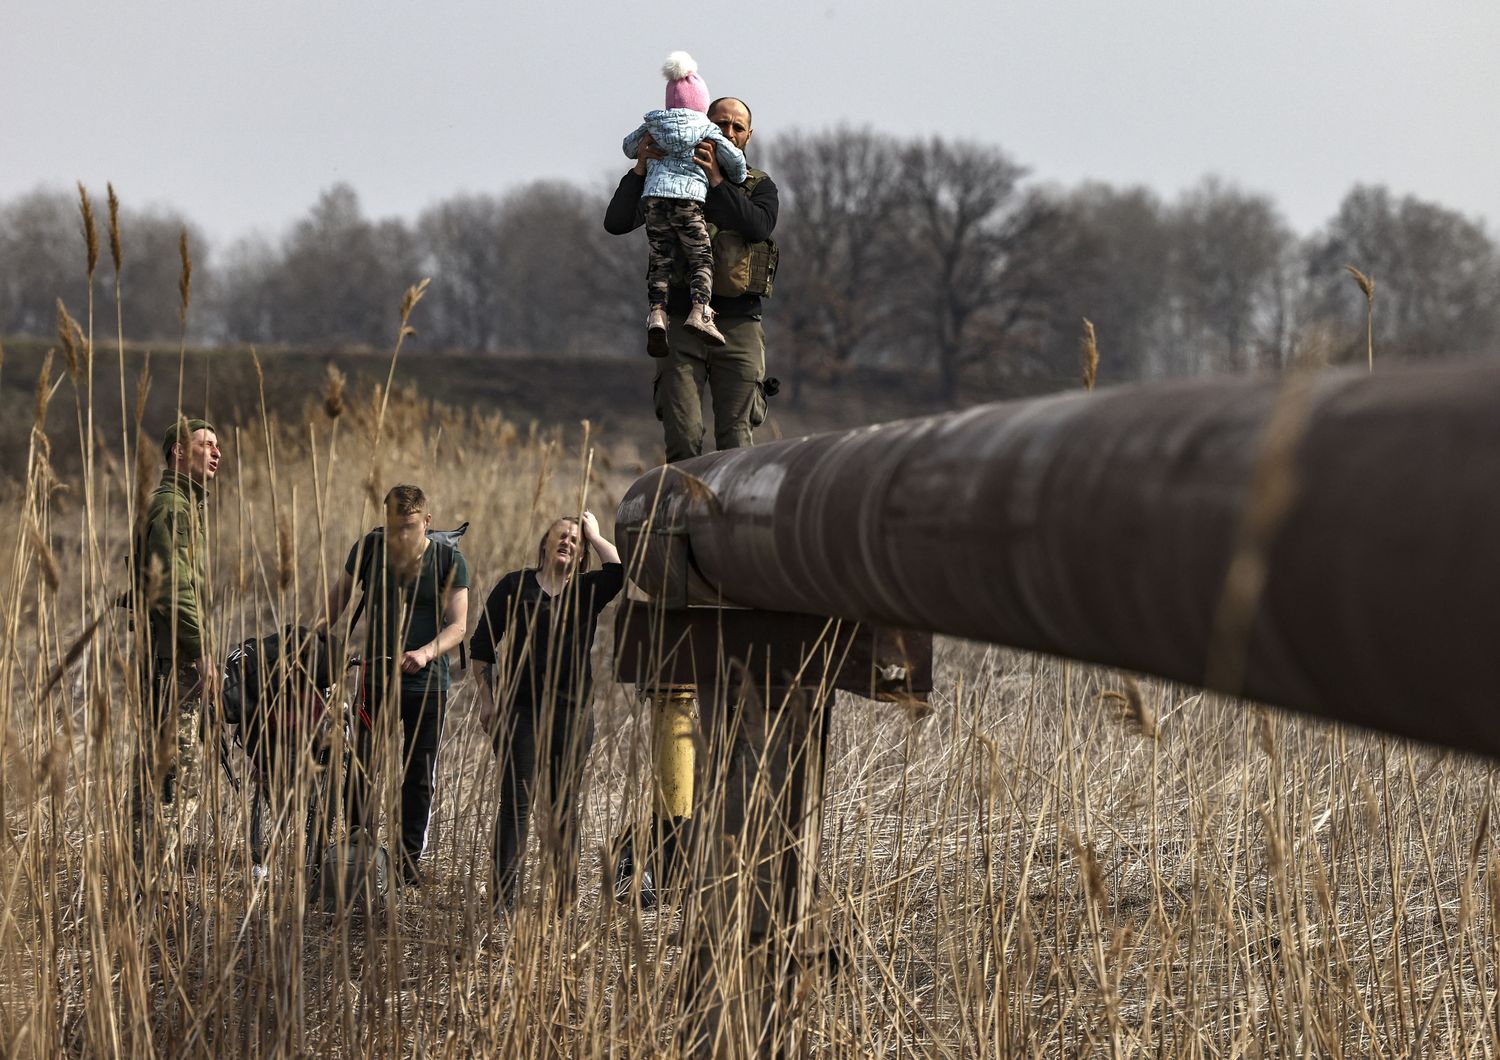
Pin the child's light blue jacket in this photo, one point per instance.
(678, 132)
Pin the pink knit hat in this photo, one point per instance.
(684, 87)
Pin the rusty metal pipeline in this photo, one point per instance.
(1359, 515)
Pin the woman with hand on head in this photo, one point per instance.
(536, 704)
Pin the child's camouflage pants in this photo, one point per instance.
(671, 223)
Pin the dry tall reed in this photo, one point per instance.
(1366, 288)
(1090, 347)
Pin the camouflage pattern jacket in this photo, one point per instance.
(171, 575)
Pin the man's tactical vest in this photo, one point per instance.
(739, 267)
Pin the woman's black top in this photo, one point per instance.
(548, 653)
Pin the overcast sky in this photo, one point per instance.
(239, 111)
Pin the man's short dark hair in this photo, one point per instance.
(181, 433)
(407, 500)
(749, 117)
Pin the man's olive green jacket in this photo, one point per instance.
(174, 544)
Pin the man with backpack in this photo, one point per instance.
(416, 599)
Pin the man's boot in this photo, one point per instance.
(701, 320)
(656, 332)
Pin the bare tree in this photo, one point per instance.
(149, 275)
(1436, 274)
(968, 287)
(1110, 250)
(462, 247)
(1227, 247)
(613, 273)
(41, 260)
(565, 291)
(341, 276)
(242, 292)
(839, 190)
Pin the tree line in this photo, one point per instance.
(938, 257)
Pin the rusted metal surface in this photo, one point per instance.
(693, 646)
(1102, 527)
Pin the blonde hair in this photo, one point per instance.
(585, 554)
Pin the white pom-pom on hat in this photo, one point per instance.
(685, 89)
(678, 66)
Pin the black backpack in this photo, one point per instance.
(261, 665)
(448, 550)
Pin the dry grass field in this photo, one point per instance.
(1055, 861)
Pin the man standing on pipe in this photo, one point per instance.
(741, 219)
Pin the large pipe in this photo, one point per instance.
(1360, 514)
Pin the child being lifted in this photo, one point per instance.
(672, 199)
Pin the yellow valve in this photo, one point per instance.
(673, 712)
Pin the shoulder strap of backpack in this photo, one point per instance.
(362, 574)
(444, 560)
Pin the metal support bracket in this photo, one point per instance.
(695, 645)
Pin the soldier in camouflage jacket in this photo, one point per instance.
(176, 668)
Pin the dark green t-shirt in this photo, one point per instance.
(402, 617)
